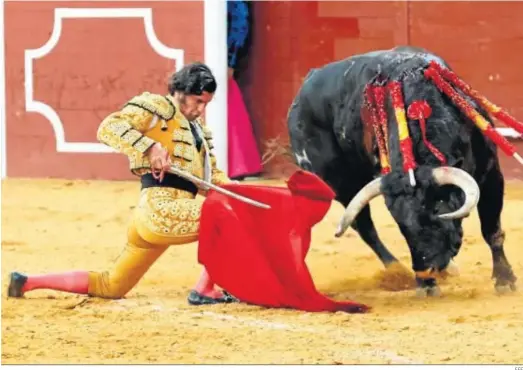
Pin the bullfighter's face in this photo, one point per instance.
(193, 106)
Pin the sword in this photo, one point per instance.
(204, 184)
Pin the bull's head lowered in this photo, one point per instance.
(429, 208)
(428, 215)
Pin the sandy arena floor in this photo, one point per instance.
(42, 232)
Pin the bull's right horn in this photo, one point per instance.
(460, 178)
(364, 196)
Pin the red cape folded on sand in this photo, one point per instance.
(258, 255)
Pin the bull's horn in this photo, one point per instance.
(460, 178)
(364, 196)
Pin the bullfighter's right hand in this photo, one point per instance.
(160, 161)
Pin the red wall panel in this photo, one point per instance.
(479, 39)
(97, 64)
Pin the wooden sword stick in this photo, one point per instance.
(202, 184)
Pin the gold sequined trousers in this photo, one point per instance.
(163, 217)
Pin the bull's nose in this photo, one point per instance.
(426, 274)
(433, 272)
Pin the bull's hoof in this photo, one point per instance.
(505, 279)
(505, 288)
(427, 288)
(428, 291)
(434, 291)
(421, 293)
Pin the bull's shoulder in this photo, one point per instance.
(309, 74)
(327, 76)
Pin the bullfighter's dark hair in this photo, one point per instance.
(193, 79)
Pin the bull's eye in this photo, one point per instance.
(438, 206)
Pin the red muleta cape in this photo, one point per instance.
(258, 255)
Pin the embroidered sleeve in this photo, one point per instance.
(124, 130)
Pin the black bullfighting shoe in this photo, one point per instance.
(229, 297)
(197, 299)
(16, 283)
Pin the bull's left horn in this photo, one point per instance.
(364, 196)
(460, 178)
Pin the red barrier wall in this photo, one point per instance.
(479, 39)
(95, 67)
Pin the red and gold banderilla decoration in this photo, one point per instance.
(409, 164)
(374, 114)
(420, 110)
(379, 98)
(433, 73)
(490, 107)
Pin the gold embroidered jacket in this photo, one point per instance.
(149, 118)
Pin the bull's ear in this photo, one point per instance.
(456, 162)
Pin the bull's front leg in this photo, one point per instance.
(367, 231)
(490, 206)
(346, 190)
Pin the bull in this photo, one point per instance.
(453, 168)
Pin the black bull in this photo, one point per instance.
(328, 138)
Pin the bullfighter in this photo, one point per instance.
(155, 132)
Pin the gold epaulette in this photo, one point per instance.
(207, 134)
(155, 104)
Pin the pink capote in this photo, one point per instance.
(243, 155)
